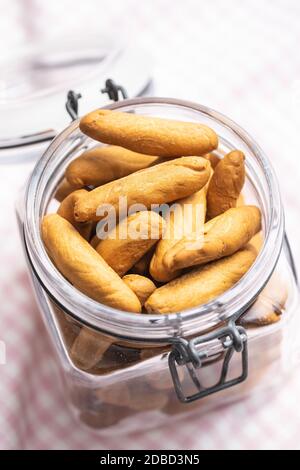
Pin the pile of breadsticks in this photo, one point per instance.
(152, 161)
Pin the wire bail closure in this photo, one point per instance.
(233, 339)
(72, 104)
(111, 88)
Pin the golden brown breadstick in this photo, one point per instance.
(226, 184)
(188, 217)
(142, 265)
(269, 305)
(148, 353)
(101, 165)
(160, 184)
(149, 135)
(257, 241)
(130, 240)
(240, 201)
(83, 266)
(94, 242)
(89, 347)
(67, 326)
(142, 286)
(213, 159)
(223, 236)
(66, 210)
(63, 190)
(202, 284)
(162, 380)
(105, 417)
(115, 394)
(144, 397)
(138, 396)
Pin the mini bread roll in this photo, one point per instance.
(83, 266)
(66, 210)
(157, 185)
(202, 284)
(64, 189)
(101, 165)
(88, 348)
(226, 184)
(149, 135)
(130, 240)
(223, 236)
(188, 217)
(140, 285)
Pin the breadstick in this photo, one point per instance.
(202, 284)
(146, 398)
(149, 353)
(130, 240)
(104, 164)
(269, 305)
(138, 396)
(257, 241)
(213, 159)
(223, 236)
(226, 184)
(140, 285)
(66, 210)
(68, 328)
(104, 417)
(63, 190)
(89, 347)
(149, 135)
(188, 216)
(160, 184)
(162, 380)
(142, 265)
(240, 201)
(83, 266)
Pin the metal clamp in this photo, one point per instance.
(72, 104)
(113, 90)
(233, 339)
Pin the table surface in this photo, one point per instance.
(241, 58)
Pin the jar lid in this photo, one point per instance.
(35, 82)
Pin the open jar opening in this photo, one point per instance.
(261, 189)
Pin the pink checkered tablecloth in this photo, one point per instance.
(241, 58)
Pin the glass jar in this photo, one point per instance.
(125, 372)
(36, 82)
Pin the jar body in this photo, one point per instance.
(130, 387)
(118, 382)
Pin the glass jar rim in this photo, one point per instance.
(147, 327)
